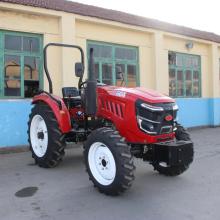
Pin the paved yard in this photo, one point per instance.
(66, 193)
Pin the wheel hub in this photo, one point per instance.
(40, 135)
(102, 163)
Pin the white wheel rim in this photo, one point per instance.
(39, 135)
(102, 163)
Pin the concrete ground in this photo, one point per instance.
(66, 193)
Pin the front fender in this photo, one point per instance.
(62, 115)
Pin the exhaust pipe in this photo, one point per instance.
(90, 90)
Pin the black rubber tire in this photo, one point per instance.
(56, 143)
(123, 159)
(181, 134)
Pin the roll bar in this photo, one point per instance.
(45, 60)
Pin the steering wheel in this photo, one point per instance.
(83, 83)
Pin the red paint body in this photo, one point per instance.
(124, 118)
(117, 105)
(62, 116)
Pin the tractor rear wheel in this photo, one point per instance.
(181, 134)
(108, 161)
(44, 136)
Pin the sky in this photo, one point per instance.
(198, 14)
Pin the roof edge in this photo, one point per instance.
(116, 16)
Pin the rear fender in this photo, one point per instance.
(62, 114)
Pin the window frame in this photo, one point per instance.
(22, 54)
(184, 68)
(114, 61)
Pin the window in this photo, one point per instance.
(31, 44)
(184, 75)
(12, 77)
(13, 42)
(110, 56)
(31, 76)
(20, 64)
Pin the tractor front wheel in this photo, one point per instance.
(44, 136)
(109, 162)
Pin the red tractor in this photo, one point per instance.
(115, 124)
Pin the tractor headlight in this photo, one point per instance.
(146, 125)
(147, 116)
(175, 110)
(151, 107)
(175, 107)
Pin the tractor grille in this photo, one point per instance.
(156, 119)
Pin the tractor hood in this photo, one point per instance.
(147, 95)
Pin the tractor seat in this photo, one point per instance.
(70, 92)
(71, 96)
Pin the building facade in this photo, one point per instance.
(177, 61)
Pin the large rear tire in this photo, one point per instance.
(44, 136)
(109, 162)
(181, 134)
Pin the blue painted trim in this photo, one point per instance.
(14, 117)
(216, 112)
(195, 112)
(13, 122)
